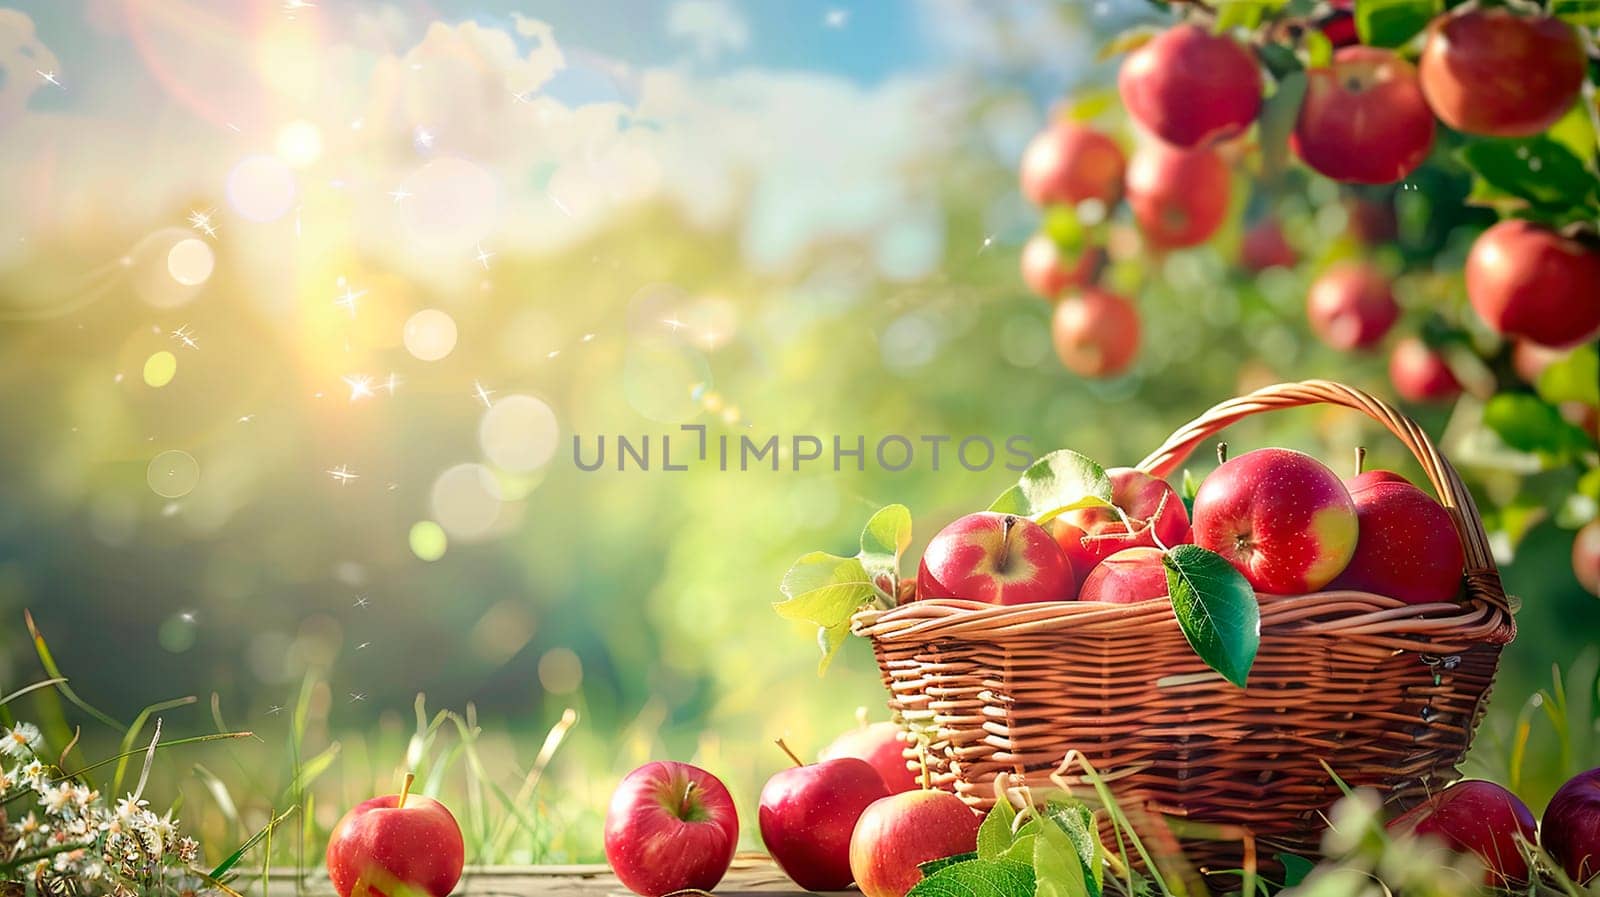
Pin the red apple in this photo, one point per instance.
(1068, 163)
(1190, 87)
(1570, 830)
(1407, 546)
(396, 844)
(901, 832)
(1364, 119)
(670, 827)
(1586, 556)
(1281, 517)
(1096, 333)
(1264, 246)
(1371, 222)
(1526, 280)
(1351, 306)
(1530, 359)
(1130, 576)
(1090, 535)
(997, 559)
(1179, 197)
(1339, 26)
(1492, 72)
(1048, 274)
(1480, 817)
(883, 747)
(808, 813)
(1420, 374)
(1368, 478)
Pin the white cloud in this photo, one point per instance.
(22, 57)
(712, 27)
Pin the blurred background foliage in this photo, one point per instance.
(296, 605)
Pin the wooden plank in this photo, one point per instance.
(751, 874)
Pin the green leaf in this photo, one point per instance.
(1583, 13)
(1247, 14)
(1575, 378)
(1295, 868)
(1216, 608)
(1319, 49)
(1057, 867)
(933, 866)
(1277, 121)
(978, 878)
(1127, 41)
(825, 589)
(1538, 170)
(1060, 481)
(1076, 821)
(994, 835)
(1391, 23)
(884, 539)
(1530, 424)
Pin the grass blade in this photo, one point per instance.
(34, 687)
(238, 854)
(133, 733)
(50, 668)
(196, 739)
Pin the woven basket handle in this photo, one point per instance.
(1482, 574)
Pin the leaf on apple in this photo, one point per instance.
(1392, 23)
(1216, 608)
(1538, 170)
(1059, 482)
(978, 878)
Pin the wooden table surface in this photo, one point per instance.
(751, 874)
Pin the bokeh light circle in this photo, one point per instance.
(428, 540)
(190, 262)
(453, 206)
(560, 671)
(172, 474)
(177, 633)
(160, 368)
(519, 433)
(430, 334)
(465, 500)
(299, 144)
(663, 380)
(261, 188)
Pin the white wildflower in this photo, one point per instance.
(20, 740)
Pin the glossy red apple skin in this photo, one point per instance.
(1570, 829)
(1586, 556)
(1420, 374)
(1526, 280)
(1351, 306)
(1190, 87)
(1369, 478)
(1406, 547)
(670, 827)
(807, 815)
(1480, 817)
(1068, 163)
(384, 849)
(1130, 576)
(1090, 535)
(1179, 197)
(882, 746)
(1264, 246)
(1494, 73)
(1095, 333)
(1281, 517)
(899, 833)
(1048, 273)
(995, 559)
(1364, 120)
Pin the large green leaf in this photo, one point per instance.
(884, 539)
(994, 835)
(1076, 821)
(1060, 481)
(827, 590)
(1538, 170)
(1527, 423)
(1216, 609)
(1057, 867)
(978, 878)
(1391, 23)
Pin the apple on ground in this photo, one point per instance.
(1351, 306)
(1090, 535)
(1480, 817)
(1570, 830)
(1048, 273)
(1466, 59)
(808, 814)
(1130, 576)
(1281, 517)
(899, 833)
(1586, 556)
(1190, 87)
(1068, 163)
(1264, 246)
(1364, 119)
(882, 746)
(396, 844)
(1526, 280)
(996, 559)
(670, 827)
(1095, 333)
(1407, 546)
(1420, 373)
(1179, 197)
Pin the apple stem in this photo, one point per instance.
(405, 791)
(1361, 458)
(922, 760)
(1005, 540)
(1222, 453)
(785, 748)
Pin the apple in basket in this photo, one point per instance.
(808, 813)
(1090, 535)
(1407, 547)
(1281, 517)
(1480, 817)
(1130, 576)
(881, 745)
(996, 559)
(1571, 827)
(899, 833)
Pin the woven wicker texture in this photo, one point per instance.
(1387, 694)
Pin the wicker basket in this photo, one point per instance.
(1387, 694)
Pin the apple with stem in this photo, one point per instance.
(808, 813)
(390, 846)
(1067, 164)
(899, 833)
(1281, 517)
(1420, 373)
(1407, 546)
(882, 745)
(670, 827)
(996, 559)
(1527, 280)
(1570, 830)
(1130, 576)
(1480, 817)
(1351, 306)
(1364, 119)
(1190, 87)
(1467, 59)
(1179, 197)
(1095, 333)
(1151, 515)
